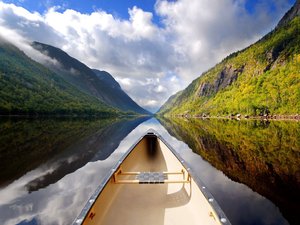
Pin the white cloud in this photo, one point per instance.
(125, 82)
(208, 30)
(150, 92)
(160, 89)
(193, 36)
(142, 24)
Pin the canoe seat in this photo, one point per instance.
(149, 177)
(152, 177)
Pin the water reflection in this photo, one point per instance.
(58, 197)
(63, 144)
(94, 147)
(261, 154)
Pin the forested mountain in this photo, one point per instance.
(99, 84)
(114, 94)
(27, 87)
(261, 79)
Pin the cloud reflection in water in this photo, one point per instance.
(61, 202)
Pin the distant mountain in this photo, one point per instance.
(27, 87)
(93, 82)
(261, 79)
(115, 95)
(107, 79)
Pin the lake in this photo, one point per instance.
(51, 166)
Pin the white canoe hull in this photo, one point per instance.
(151, 185)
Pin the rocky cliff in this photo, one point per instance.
(263, 78)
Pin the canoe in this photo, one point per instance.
(151, 185)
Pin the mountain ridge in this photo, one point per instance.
(290, 14)
(260, 79)
(99, 84)
(27, 87)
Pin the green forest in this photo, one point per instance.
(261, 79)
(28, 88)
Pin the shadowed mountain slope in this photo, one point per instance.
(93, 82)
(27, 87)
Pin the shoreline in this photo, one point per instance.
(243, 117)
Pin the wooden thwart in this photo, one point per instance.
(150, 177)
(137, 173)
(154, 182)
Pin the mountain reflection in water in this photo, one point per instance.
(64, 145)
(51, 167)
(261, 154)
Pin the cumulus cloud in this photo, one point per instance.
(150, 61)
(151, 92)
(208, 30)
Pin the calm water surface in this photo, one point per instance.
(50, 167)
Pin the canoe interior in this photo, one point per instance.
(124, 201)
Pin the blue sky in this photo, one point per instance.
(87, 6)
(119, 8)
(153, 48)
